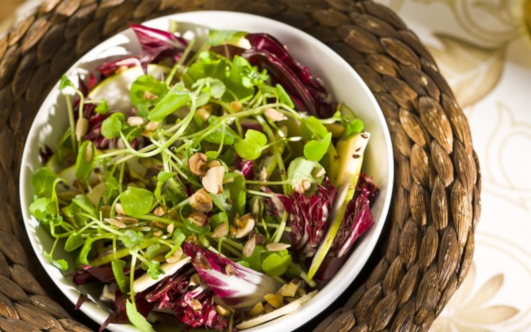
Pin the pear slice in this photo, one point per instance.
(350, 152)
(69, 175)
(287, 309)
(116, 89)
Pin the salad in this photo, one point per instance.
(211, 185)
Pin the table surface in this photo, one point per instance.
(483, 50)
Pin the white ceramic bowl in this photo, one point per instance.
(340, 79)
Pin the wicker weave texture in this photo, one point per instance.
(436, 204)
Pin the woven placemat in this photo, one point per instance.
(429, 240)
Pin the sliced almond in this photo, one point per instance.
(176, 256)
(160, 211)
(170, 228)
(274, 115)
(149, 96)
(245, 225)
(81, 128)
(197, 163)
(275, 300)
(198, 218)
(119, 209)
(201, 201)
(158, 233)
(196, 305)
(213, 180)
(195, 280)
(229, 270)
(220, 231)
(127, 220)
(115, 222)
(257, 309)
(277, 246)
(135, 121)
(249, 247)
(152, 126)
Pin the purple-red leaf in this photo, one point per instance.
(110, 68)
(154, 41)
(308, 218)
(241, 288)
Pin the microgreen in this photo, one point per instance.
(74, 241)
(137, 202)
(276, 263)
(283, 96)
(119, 275)
(147, 91)
(42, 181)
(102, 108)
(132, 239)
(316, 149)
(176, 98)
(111, 127)
(86, 160)
(137, 319)
(221, 37)
(251, 146)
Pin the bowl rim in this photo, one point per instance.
(94, 311)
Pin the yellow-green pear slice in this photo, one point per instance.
(69, 175)
(350, 152)
(116, 89)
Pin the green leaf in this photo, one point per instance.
(74, 241)
(233, 191)
(283, 96)
(312, 128)
(251, 146)
(118, 271)
(276, 263)
(82, 258)
(102, 108)
(44, 209)
(152, 251)
(212, 86)
(65, 82)
(154, 270)
(162, 177)
(315, 150)
(137, 319)
(219, 219)
(301, 169)
(256, 259)
(178, 239)
(137, 202)
(147, 83)
(85, 204)
(58, 263)
(86, 160)
(222, 37)
(230, 135)
(43, 181)
(132, 239)
(353, 128)
(111, 127)
(176, 98)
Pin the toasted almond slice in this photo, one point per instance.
(249, 247)
(160, 211)
(198, 163)
(152, 126)
(274, 115)
(135, 121)
(196, 305)
(245, 225)
(201, 201)
(115, 222)
(176, 256)
(229, 270)
(213, 180)
(288, 308)
(198, 218)
(119, 209)
(170, 228)
(127, 220)
(277, 246)
(220, 231)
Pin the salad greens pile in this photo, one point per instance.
(214, 185)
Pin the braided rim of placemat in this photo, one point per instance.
(428, 247)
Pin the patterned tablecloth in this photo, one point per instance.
(482, 49)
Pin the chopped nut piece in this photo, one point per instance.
(290, 290)
(275, 300)
(277, 246)
(176, 256)
(248, 249)
(160, 211)
(220, 231)
(214, 163)
(195, 280)
(222, 310)
(152, 126)
(196, 305)
(119, 209)
(158, 233)
(201, 201)
(236, 106)
(170, 228)
(149, 96)
(229, 270)
(213, 180)
(158, 224)
(197, 163)
(127, 220)
(115, 222)
(81, 128)
(257, 309)
(198, 218)
(135, 121)
(245, 225)
(204, 112)
(274, 115)
(263, 174)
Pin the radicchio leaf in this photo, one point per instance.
(91, 274)
(307, 92)
(245, 167)
(308, 218)
(243, 289)
(119, 315)
(358, 219)
(110, 68)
